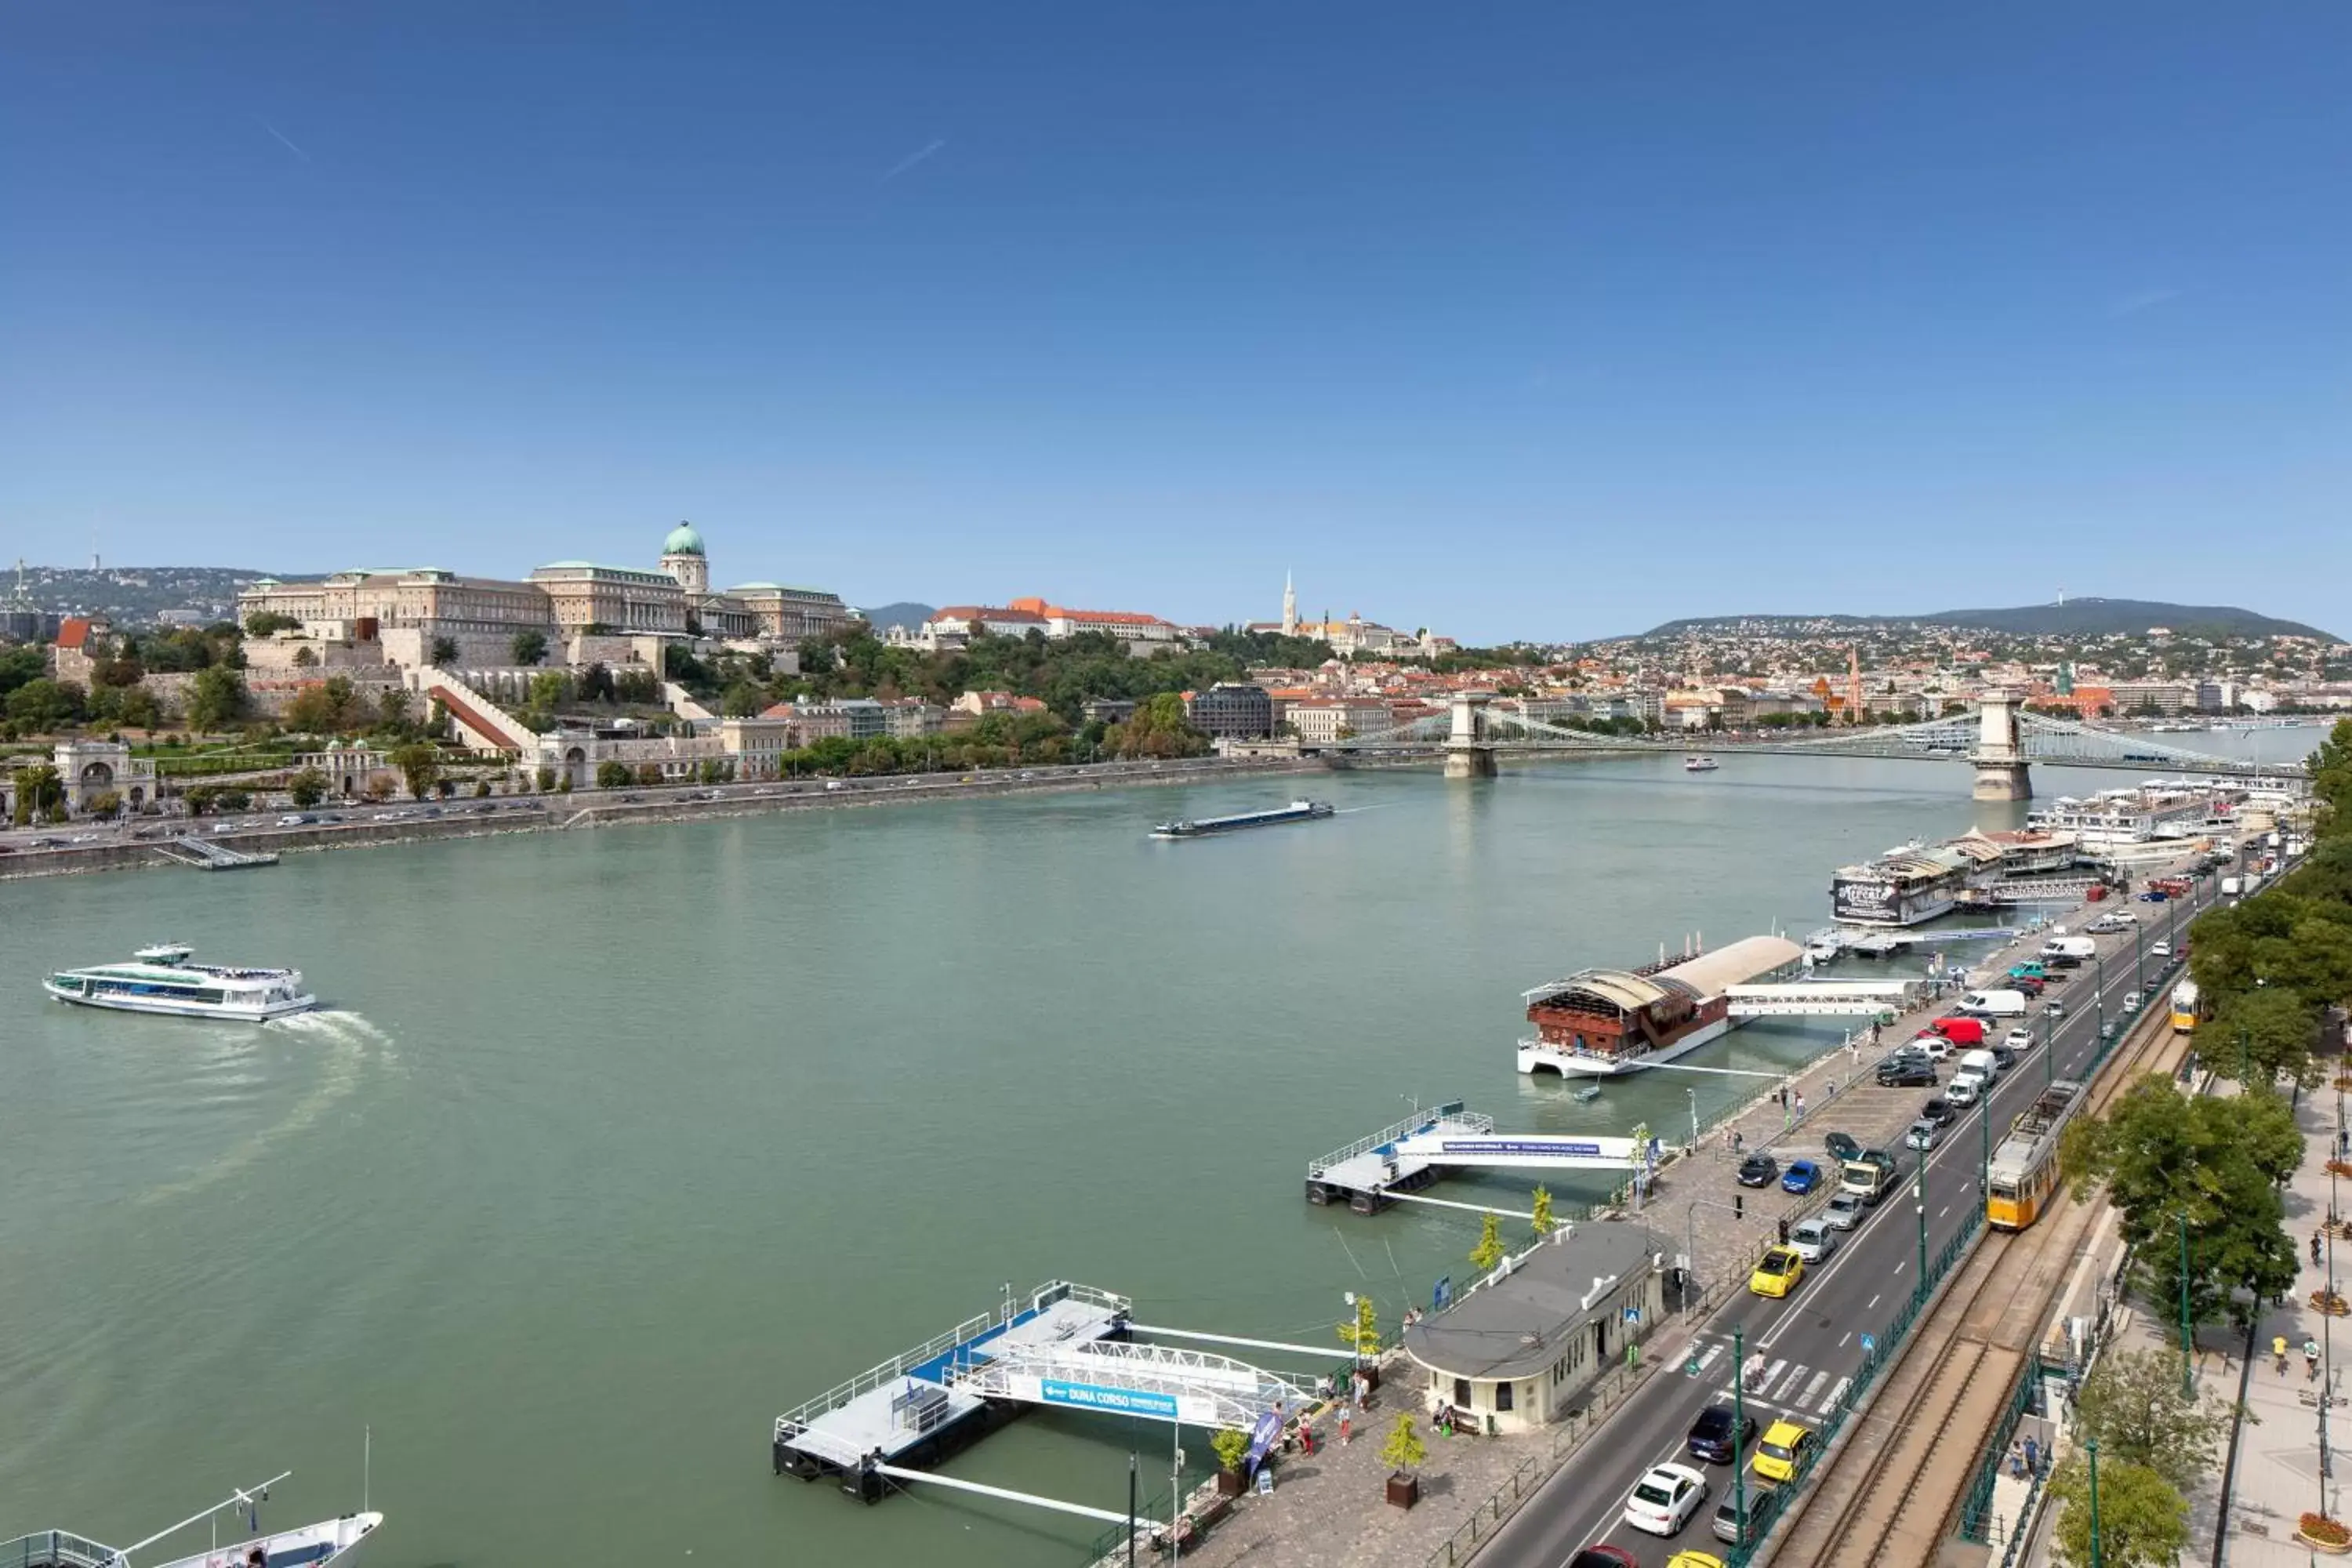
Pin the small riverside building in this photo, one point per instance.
(1518, 1347)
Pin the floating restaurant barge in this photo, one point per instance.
(1599, 1021)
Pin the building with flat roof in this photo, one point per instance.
(1232, 711)
(1516, 1348)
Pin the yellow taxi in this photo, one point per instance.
(1778, 1272)
(1786, 1446)
(1694, 1559)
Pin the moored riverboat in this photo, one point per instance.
(311, 1546)
(1598, 1022)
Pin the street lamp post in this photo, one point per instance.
(2139, 963)
(2099, 1000)
(1984, 1165)
(2049, 1049)
(1694, 1105)
(1738, 1428)
(2098, 1558)
(1919, 1197)
(2188, 1388)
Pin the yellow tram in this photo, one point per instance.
(2025, 1176)
(2184, 1007)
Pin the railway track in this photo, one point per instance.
(1892, 1494)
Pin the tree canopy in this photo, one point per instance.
(2143, 1522)
(2131, 1403)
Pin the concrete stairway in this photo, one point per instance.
(480, 722)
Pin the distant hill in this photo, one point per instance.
(908, 614)
(2075, 617)
(134, 595)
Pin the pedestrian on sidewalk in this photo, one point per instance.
(1346, 1427)
(1800, 1105)
(2310, 1359)
(2315, 1249)
(2278, 1353)
(2017, 1460)
(2032, 1456)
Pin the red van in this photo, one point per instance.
(1961, 1032)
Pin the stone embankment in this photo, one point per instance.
(462, 818)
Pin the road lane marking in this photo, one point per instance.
(1789, 1384)
(1942, 1211)
(1813, 1389)
(1835, 1394)
(1849, 1336)
(1874, 1301)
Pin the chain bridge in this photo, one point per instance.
(1995, 739)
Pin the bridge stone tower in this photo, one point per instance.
(2000, 760)
(1469, 753)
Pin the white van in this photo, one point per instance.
(1995, 1003)
(1981, 1064)
(1964, 1089)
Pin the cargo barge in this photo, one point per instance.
(1296, 811)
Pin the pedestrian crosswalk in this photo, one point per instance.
(1792, 1388)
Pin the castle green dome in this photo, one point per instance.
(682, 541)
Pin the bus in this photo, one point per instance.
(2025, 1176)
(2184, 1007)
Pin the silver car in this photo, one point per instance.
(1845, 1211)
(1812, 1241)
(1922, 1135)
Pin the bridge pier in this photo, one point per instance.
(1470, 761)
(2001, 772)
(1469, 755)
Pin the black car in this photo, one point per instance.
(1841, 1148)
(1758, 1170)
(1906, 1072)
(1712, 1439)
(2003, 1056)
(1940, 1112)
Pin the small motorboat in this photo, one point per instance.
(1700, 764)
(1587, 1094)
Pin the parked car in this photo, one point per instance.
(2003, 1057)
(2019, 1039)
(1841, 1148)
(1695, 1558)
(1604, 1557)
(1845, 1210)
(2054, 1009)
(1801, 1177)
(2159, 949)
(1777, 1272)
(1813, 1239)
(1663, 1501)
(1939, 1112)
(1922, 1135)
(1786, 1446)
(1761, 1504)
(1932, 1046)
(1758, 1170)
(2131, 1002)
(1906, 1072)
(2032, 986)
(1711, 1437)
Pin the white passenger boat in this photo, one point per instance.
(162, 979)
(311, 1546)
(1700, 764)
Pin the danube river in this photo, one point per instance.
(614, 1144)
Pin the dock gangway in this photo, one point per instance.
(1821, 998)
(1368, 1174)
(206, 855)
(1159, 1382)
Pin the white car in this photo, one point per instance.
(1663, 1501)
(2019, 1039)
(1813, 1240)
(1932, 1046)
(2159, 949)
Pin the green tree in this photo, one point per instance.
(105, 805)
(445, 651)
(743, 700)
(1404, 1451)
(2160, 1155)
(268, 623)
(1361, 1333)
(307, 788)
(216, 699)
(527, 646)
(2131, 1403)
(1489, 1252)
(544, 778)
(613, 776)
(303, 657)
(419, 765)
(1232, 1445)
(391, 709)
(39, 790)
(139, 709)
(2143, 1522)
(2278, 1029)
(46, 704)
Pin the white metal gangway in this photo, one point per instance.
(1821, 998)
(1160, 1382)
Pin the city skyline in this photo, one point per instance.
(1731, 314)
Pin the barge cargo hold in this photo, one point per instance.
(1296, 811)
(1600, 1022)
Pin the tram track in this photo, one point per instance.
(1896, 1504)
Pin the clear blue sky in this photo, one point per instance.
(1515, 320)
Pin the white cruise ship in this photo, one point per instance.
(311, 1546)
(162, 979)
(2122, 817)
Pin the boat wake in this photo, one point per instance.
(350, 1039)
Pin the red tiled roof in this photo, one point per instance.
(73, 633)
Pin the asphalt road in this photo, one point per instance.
(1810, 1341)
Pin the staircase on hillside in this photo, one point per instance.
(684, 706)
(480, 722)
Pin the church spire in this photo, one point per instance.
(1289, 607)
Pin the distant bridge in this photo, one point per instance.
(1995, 739)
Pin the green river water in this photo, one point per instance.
(614, 1144)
